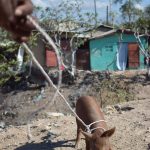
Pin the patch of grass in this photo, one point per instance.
(112, 91)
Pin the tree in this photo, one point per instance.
(67, 22)
(147, 12)
(143, 22)
(142, 26)
(129, 12)
(8, 58)
(8, 51)
(112, 14)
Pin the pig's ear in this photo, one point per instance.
(108, 133)
(87, 135)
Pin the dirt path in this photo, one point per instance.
(58, 133)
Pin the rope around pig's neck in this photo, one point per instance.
(88, 127)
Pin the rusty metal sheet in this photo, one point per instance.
(83, 59)
(51, 59)
(133, 55)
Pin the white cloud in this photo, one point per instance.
(87, 6)
(41, 3)
(46, 3)
(102, 4)
(98, 4)
(138, 6)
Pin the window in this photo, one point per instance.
(109, 48)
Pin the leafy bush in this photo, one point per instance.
(8, 61)
(8, 58)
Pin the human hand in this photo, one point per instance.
(13, 18)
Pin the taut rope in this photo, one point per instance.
(50, 41)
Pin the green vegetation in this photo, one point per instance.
(8, 58)
(8, 52)
(69, 16)
(115, 91)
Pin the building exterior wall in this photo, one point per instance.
(102, 59)
(39, 51)
(103, 51)
(83, 57)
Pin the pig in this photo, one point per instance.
(89, 111)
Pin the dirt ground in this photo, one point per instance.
(128, 111)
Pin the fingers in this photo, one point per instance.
(25, 25)
(24, 8)
(20, 39)
(6, 10)
(28, 25)
(13, 18)
(23, 28)
(20, 34)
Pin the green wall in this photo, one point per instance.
(103, 51)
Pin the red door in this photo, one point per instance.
(51, 59)
(133, 55)
(83, 59)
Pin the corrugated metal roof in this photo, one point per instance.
(101, 35)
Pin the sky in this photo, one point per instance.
(89, 6)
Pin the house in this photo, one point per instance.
(83, 54)
(45, 53)
(63, 36)
(105, 49)
(116, 50)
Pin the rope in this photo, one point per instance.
(49, 80)
(98, 128)
(96, 122)
(50, 41)
(89, 126)
(45, 74)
